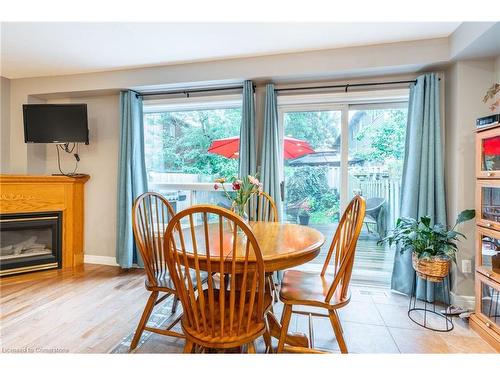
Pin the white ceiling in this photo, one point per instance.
(47, 49)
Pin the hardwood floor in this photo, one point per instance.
(88, 310)
(93, 309)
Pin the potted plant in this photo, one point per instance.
(432, 246)
(304, 213)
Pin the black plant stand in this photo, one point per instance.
(441, 322)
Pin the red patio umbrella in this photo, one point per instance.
(229, 147)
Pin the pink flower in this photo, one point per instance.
(253, 180)
(216, 187)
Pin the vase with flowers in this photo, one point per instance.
(242, 189)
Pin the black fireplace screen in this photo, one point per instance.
(30, 242)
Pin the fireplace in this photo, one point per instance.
(30, 242)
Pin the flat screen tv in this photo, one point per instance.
(55, 123)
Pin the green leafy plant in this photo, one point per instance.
(426, 240)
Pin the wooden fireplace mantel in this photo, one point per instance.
(24, 194)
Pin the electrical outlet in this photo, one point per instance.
(466, 266)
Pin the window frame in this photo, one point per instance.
(343, 102)
(185, 104)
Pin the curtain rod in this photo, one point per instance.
(345, 86)
(187, 92)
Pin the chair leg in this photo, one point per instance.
(188, 346)
(267, 337)
(272, 287)
(285, 321)
(338, 318)
(251, 348)
(337, 328)
(144, 319)
(174, 304)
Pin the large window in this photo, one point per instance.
(178, 136)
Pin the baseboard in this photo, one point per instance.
(99, 259)
(467, 302)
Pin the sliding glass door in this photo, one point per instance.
(376, 145)
(333, 152)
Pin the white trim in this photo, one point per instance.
(350, 97)
(99, 259)
(467, 302)
(192, 103)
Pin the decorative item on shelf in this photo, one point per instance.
(491, 93)
(243, 188)
(304, 213)
(432, 246)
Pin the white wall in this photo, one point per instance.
(4, 124)
(466, 84)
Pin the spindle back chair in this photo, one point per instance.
(261, 207)
(230, 311)
(343, 246)
(330, 288)
(150, 216)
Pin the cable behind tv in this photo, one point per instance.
(66, 148)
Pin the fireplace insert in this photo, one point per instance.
(30, 242)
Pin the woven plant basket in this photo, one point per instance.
(434, 269)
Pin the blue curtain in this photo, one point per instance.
(271, 156)
(422, 190)
(132, 179)
(247, 132)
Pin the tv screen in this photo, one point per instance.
(55, 123)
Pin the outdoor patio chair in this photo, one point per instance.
(376, 214)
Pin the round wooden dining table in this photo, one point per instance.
(282, 245)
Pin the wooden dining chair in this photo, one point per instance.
(229, 312)
(261, 207)
(150, 216)
(326, 290)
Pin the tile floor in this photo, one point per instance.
(375, 321)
